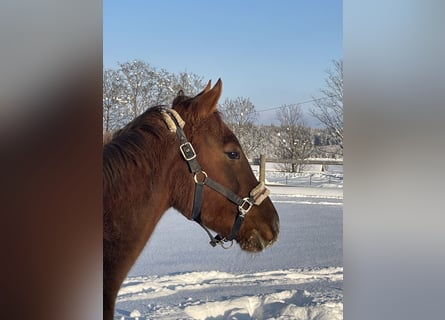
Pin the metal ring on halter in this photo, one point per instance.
(226, 241)
(242, 208)
(195, 177)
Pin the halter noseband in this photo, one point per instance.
(256, 195)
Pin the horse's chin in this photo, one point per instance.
(255, 242)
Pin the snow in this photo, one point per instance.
(180, 276)
(196, 288)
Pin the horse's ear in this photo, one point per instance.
(207, 100)
(179, 98)
(207, 88)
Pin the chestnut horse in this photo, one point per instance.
(188, 159)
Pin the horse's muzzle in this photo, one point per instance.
(256, 243)
(261, 236)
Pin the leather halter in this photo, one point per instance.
(256, 196)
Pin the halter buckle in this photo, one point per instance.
(245, 206)
(187, 151)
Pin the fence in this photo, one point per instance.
(315, 172)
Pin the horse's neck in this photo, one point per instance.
(136, 192)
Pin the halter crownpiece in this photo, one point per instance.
(256, 196)
(169, 121)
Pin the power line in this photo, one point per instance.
(297, 103)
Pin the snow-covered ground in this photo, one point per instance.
(180, 276)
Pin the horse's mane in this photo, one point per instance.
(133, 146)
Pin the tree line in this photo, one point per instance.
(134, 86)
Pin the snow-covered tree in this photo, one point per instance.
(190, 83)
(114, 100)
(140, 86)
(240, 115)
(136, 86)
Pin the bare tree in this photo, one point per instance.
(294, 138)
(240, 115)
(329, 109)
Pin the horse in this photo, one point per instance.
(187, 158)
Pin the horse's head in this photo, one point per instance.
(221, 157)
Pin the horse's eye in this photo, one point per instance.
(233, 155)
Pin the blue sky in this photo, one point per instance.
(272, 52)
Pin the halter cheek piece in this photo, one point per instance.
(256, 196)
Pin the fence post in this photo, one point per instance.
(262, 168)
